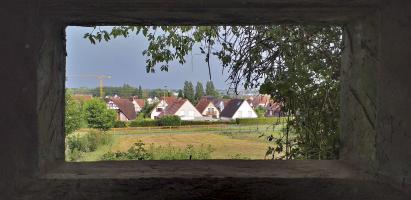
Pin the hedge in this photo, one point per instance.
(143, 123)
(186, 123)
(169, 121)
(262, 120)
(120, 124)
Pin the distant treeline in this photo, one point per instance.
(188, 91)
(123, 91)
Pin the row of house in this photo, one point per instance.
(208, 108)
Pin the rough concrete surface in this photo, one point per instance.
(375, 118)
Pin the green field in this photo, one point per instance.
(227, 141)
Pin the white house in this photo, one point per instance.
(161, 106)
(124, 108)
(207, 108)
(182, 108)
(237, 108)
(138, 104)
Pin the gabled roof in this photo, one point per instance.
(82, 97)
(126, 107)
(173, 108)
(140, 102)
(203, 104)
(258, 100)
(231, 108)
(169, 100)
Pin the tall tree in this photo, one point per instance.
(199, 91)
(140, 92)
(73, 115)
(180, 94)
(210, 89)
(189, 91)
(98, 115)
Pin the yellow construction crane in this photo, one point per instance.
(98, 77)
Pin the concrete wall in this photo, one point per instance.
(376, 93)
(376, 90)
(393, 139)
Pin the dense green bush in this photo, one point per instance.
(264, 120)
(143, 123)
(98, 115)
(169, 121)
(138, 152)
(120, 124)
(73, 115)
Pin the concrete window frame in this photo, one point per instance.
(360, 18)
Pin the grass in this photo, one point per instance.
(101, 150)
(227, 141)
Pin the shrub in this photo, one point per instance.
(98, 115)
(120, 124)
(73, 116)
(77, 144)
(138, 152)
(169, 121)
(143, 123)
(186, 123)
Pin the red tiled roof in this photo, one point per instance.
(82, 98)
(257, 100)
(169, 100)
(173, 108)
(126, 107)
(202, 105)
(140, 102)
(231, 107)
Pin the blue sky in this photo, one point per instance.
(122, 59)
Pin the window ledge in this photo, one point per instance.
(332, 169)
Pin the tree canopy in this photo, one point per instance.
(188, 91)
(98, 115)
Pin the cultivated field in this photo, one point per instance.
(226, 141)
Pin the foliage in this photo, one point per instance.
(191, 123)
(180, 94)
(299, 66)
(171, 120)
(120, 124)
(140, 92)
(188, 91)
(210, 89)
(138, 152)
(260, 111)
(143, 123)
(146, 110)
(98, 115)
(73, 115)
(77, 144)
(199, 92)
